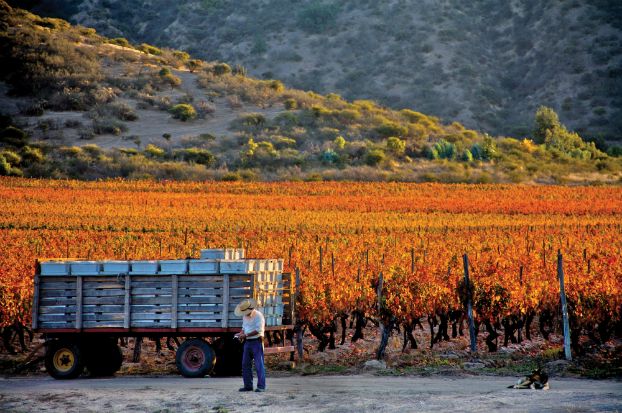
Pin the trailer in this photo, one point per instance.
(84, 307)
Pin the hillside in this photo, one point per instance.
(76, 104)
(484, 63)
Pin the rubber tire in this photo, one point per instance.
(200, 348)
(55, 346)
(104, 358)
(228, 357)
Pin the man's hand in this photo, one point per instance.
(242, 336)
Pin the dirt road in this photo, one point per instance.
(306, 393)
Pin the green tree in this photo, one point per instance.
(546, 119)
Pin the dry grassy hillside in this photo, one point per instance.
(485, 63)
(76, 104)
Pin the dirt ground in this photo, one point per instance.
(306, 393)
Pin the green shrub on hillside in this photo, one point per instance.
(374, 157)
(396, 146)
(183, 112)
(442, 150)
(120, 41)
(149, 49)
(196, 155)
(13, 136)
(220, 69)
(388, 129)
(154, 151)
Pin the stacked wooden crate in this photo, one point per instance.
(160, 294)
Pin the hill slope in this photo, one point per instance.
(75, 104)
(485, 63)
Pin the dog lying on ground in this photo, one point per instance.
(537, 380)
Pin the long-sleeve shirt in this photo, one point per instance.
(253, 322)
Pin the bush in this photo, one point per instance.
(396, 146)
(388, 129)
(221, 69)
(183, 112)
(466, 156)
(154, 151)
(32, 155)
(485, 150)
(147, 48)
(276, 85)
(120, 41)
(14, 137)
(374, 157)
(290, 104)
(11, 157)
(340, 142)
(5, 167)
(197, 155)
(442, 150)
(329, 156)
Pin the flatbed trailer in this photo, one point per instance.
(84, 307)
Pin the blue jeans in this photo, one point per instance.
(253, 350)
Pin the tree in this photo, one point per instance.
(546, 120)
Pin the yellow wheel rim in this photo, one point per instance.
(64, 360)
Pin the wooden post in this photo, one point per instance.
(175, 296)
(127, 315)
(79, 303)
(225, 301)
(562, 293)
(380, 351)
(332, 263)
(299, 328)
(520, 275)
(412, 259)
(465, 260)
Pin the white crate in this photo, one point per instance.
(259, 265)
(54, 268)
(85, 268)
(173, 267)
(115, 267)
(144, 267)
(203, 266)
(222, 254)
(236, 266)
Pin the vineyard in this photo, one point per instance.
(340, 237)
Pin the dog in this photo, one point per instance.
(537, 380)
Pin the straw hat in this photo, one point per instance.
(245, 307)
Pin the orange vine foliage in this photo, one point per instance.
(415, 234)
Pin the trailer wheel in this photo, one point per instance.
(104, 358)
(63, 359)
(195, 358)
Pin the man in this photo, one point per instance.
(253, 325)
